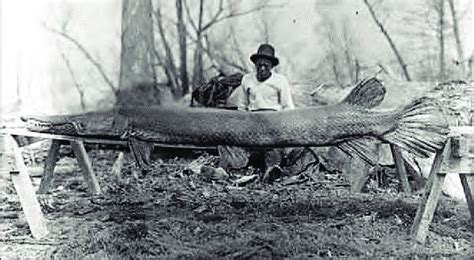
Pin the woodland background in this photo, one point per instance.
(73, 56)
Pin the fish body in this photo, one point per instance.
(419, 127)
(315, 126)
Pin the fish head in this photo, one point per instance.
(87, 124)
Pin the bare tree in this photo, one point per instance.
(350, 57)
(137, 55)
(76, 83)
(63, 33)
(183, 68)
(264, 28)
(387, 36)
(200, 27)
(198, 72)
(338, 66)
(457, 37)
(438, 6)
(169, 66)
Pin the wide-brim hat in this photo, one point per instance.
(265, 51)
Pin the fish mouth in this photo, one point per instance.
(52, 124)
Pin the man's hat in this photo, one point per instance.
(265, 51)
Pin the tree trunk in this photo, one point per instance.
(335, 69)
(137, 55)
(357, 71)
(348, 53)
(182, 48)
(169, 67)
(442, 68)
(457, 37)
(402, 63)
(198, 72)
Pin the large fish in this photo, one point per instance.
(419, 127)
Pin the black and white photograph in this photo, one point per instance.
(236, 129)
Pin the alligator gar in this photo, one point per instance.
(419, 127)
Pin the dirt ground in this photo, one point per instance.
(170, 212)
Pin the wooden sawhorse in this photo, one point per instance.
(13, 164)
(457, 157)
(82, 159)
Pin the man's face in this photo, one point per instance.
(264, 69)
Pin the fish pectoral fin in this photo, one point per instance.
(368, 93)
(363, 148)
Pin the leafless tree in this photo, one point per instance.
(76, 83)
(198, 71)
(183, 68)
(65, 35)
(391, 42)
(264, 25)
(224, 11)
(457, 37)
(438, 6)
(339, 66)
(137, 55)
(169, 66)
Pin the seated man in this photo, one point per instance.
(263, 90)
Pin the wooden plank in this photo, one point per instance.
(460, 159)
(51, 159)
(13, 161)
(467, 181)
(429, 201)
(25, 132)
(401, 170)
(427, 207)
(84, 162)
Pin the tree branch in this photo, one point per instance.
(84, 51)
(188, 13)
(402, 63)
(218, 18)
(73, 77)
(181, 30)
(456, 30)
(222, 58)
(169, 68)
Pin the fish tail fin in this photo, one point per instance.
(421, 128)
(368, 93)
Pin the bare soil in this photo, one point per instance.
(173, 213)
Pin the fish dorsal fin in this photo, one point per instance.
(368, 93)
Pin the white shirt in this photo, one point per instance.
(273, 93)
